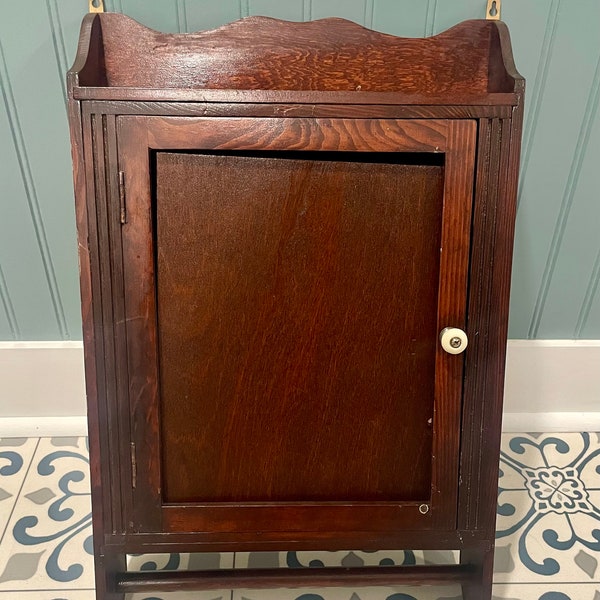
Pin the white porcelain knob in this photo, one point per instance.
(453, 340)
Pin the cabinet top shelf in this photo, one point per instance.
(260, 59)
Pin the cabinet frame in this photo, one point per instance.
(94, 108)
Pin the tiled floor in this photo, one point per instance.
(548, 544)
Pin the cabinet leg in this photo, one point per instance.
(483, 560)
(107, 566)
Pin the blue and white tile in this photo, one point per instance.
(502, 592)
(15, 458)
(184, 562)
(369, 593)
(534, 591)
(48, 595)
(201, 561)
(548, 521)
(346, 558)
(48, 544)
(213, 595)
(548, 530)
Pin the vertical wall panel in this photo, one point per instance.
(58, 41)
(5, 332)
(544, 183)
(556, 46)
(400, 17)
(531, 24)
(70, 13)
(450, 12)
(157, 15)
(22, 265)
(292, 10)
(590, 323)
(113, 6)
(355, 11)
(44, 156)
(533, 32)
(207, 14)
(9, 328)
(580, 244)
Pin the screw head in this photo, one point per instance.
(456, 342)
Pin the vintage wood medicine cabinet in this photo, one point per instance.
(278, 223)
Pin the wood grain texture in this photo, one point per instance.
(280, 134)
(238, 205)
(292, 578)
(296, 97)
(452, 299)
(309, 289)
(326, 55)
(308, 135)
(277, 109)
(103, 468)
(140, 310)
(206, 541)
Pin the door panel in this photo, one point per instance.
(286, 283)
(297, 311)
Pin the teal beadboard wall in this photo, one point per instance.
(556, 46)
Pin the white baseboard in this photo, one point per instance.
(550, 422)
(18, 427)
(42, 390)
(551, 385)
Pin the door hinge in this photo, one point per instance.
(133, 466)
(123, 206)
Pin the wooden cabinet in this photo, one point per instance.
(276, 222)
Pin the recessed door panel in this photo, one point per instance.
(297, 317)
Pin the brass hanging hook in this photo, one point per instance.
(96, 6)
(493, 10)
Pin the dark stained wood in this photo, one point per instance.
(260, 53)
(503, 70)
(292, 578)
(89, 67)
(272, 109)
(452, 299)
(107, 320)
(141, 332)
(320, 87)
(280, 134)
(276, 520)
(206, 541)
(251, 379)
(307, 135)
(481, 560)
(358, 98)
(81, 158)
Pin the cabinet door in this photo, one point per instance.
(286, 284)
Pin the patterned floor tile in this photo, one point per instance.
(548, 522)
(48, 541)
(371, 593)
(174, 562)
(49, 595)
(355, 558)
(15, 458)
(214, 595)
(548, 540)
(518, 591)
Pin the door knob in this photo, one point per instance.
(453, 340)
